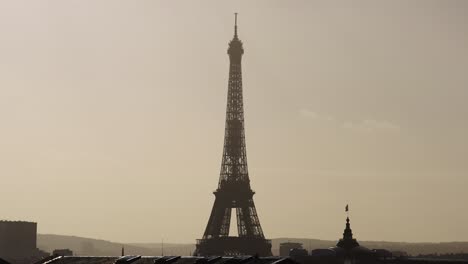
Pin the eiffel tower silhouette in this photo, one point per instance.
(234, 190)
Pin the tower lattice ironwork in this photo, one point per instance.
(234, 190)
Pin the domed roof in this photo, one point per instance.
(348, 246)
(347, 242)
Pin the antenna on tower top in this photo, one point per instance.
(235, 25)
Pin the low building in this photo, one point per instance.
(383, 253)
(62, 252)
(285, 248)
(297, 252)
(323, 252)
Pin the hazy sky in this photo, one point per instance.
(112, 116)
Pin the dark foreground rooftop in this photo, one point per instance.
(231, 260)
(168, 260)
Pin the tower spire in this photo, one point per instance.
(235, 25)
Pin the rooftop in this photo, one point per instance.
(19, 221)
(168, 260)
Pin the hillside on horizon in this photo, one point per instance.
(98, 247)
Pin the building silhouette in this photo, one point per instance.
(349, 249)
(347, 242)
(234, 190)
(18, 242)
(62, 252)
(286, 247)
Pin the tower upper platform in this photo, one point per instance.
(236, 49)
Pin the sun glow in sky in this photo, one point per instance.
(112, 116)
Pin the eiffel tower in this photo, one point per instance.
(234, 190)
